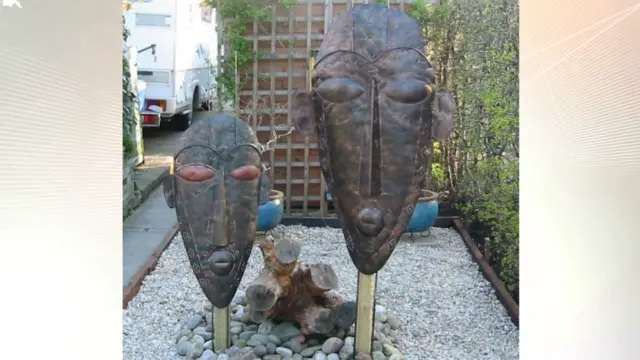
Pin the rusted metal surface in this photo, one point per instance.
(215, 189)
(371, 107)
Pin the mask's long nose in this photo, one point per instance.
(370, 221)
(221, 261)
(220, 217)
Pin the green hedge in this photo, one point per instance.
(128, 103)
(474, 46)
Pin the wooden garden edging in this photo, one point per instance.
(503, 294)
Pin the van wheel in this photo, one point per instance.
(182, 122)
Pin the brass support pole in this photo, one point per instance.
(365, 312)
(221, 327)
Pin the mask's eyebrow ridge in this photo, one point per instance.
(196, 146)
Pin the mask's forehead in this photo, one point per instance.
(210, 138)
(371, 30)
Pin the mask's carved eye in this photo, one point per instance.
(339, 90)
(246, 173)
(195, 173)
(408, 91)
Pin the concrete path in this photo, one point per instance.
(144, 232)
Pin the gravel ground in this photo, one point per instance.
(447, 310)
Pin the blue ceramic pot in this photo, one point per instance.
(425, 214)
(270, 213)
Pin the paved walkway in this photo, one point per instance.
(144, 233)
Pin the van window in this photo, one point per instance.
(153, 20)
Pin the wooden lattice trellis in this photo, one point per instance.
(290, 40)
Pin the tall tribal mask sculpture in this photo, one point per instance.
(375, 112)
(215, 189)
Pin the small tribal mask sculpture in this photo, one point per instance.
(215, 189)
(372, 108)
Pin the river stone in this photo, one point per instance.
(236, 330)
(246, 335)
(197, 339)
(181, 334)
(346, 353)
(349, 340)
(381, 317)
(377, 346)
(271, 348)
(251, 327)
(295, 346)
(393, 322)
(389, 350)
(246, 318)
(333, 357)
(266, 327)
(260, 350)
(385, 330)
(363, 356)
(313, 342)
(208, 355)
(297, 357)
(208, 345)
(332, 345)
(182, 339)
(195, 352)
(206, 335)
(396, 356)
(284, 352)
(380, 310)
(378, 326)
(239, 343)
(184, 347)
(286, 331)
(319, 356)
(258, 339)
(272, 357)
(238, 314)
(308, 352)
(274, 340)
(223, 357)
(300, 339)
(378, 355)
(194, 321)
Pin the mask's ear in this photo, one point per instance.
(265, 186)
(444, 108)
(302, 112)
(168, 189)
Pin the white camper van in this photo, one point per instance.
(177, 49)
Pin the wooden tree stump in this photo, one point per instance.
(288, 290)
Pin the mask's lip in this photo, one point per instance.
(221, 262)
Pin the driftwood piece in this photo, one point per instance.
(288, 290)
